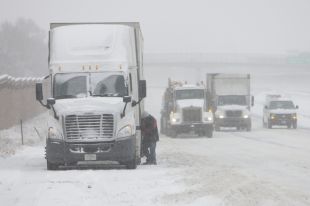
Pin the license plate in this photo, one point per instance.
(89, 157)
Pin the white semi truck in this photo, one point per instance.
(185, 108)
(231, 100)
(97, 92)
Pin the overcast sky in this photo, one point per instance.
(210, 26)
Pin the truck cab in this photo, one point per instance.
(185, 109)
(231, 100)
(279, 111)
(97, 92)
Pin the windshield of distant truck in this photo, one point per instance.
(79, 85)
(281, 105)
(189, 94)
(231, 100)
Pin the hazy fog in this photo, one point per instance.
(216, 26)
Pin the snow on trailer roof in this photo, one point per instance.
(276, 97)
(229, 75)
(189, 86)
(136, 25)
(106, 43)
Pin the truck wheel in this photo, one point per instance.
(131, 164)
(162, 130)
(264, 124)
(209, 133)
(173, 133)
(248, 128)
(295, 125)
(216, 127)
(269, 124)
(51, 166)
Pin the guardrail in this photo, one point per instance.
(13, 82)
(17, 100)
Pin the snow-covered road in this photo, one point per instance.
(262, 167)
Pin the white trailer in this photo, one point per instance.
(97, 87)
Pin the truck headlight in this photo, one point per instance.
(207, 116)
(294, 116)
(245, 116)
(53, 134)
(272, 116)
(125, 131)
(175, 119)
(221, 116)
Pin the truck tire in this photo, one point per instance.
(51, 166)
(209, 133)
(295, 125)
(249, 128)
(269, 124)
(264, 124)
(173, 133)
(131, 165)
(162, 128)
(217, 127)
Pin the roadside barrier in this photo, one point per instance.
(17, 100)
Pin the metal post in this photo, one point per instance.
(21, 131)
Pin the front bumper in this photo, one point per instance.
(283, 121)
(233, 122)
(70, 153)
(188, 127)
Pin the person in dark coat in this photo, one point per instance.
(150, 136)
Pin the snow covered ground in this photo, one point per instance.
(262, 167)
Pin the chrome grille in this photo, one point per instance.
(233, 113)
(89, 127)
(282, 116)
(192, 114)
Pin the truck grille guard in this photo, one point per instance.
(234, 113)
(192, 114)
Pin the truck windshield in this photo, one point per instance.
(70, 85)
(231, 100)
(189, 94)
(108, 84)
(78, 85)
(281, 105)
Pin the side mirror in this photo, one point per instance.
(266, 107)
(297, 107)
(252, 101)
(51, 101)
(39, 91)
(142, 89)
(126, 99)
